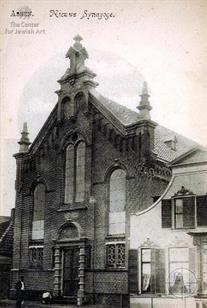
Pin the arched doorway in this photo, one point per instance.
(70, 260)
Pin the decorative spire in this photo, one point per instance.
(24, 141)
(77, 72)
(145, 88)
(144, 105)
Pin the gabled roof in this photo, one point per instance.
(123, 114)
(129, 117)
(195, 156)
(123, 117)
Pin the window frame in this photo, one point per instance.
(115, 267)
(39, 263)
(141, 265)
(175, 214)
(40, 221)
(110, 234)
(74, 168)
(176, 262)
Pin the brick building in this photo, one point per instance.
(93, 163)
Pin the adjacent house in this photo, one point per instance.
(169, 239)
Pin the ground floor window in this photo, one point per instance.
(36, 256)
(179, 282)
(146, 270)
(115, 255)
(163, 270)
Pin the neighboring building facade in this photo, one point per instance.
(93, 163)
(169, 240)
(6, 245)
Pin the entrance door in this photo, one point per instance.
(70, 271)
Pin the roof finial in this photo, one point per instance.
(144, 105)
(77, 45)
(77, 55)
(24, 141)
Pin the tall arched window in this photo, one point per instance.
(80, 172)
(69, 174)
(38, 212)
(117, 199)
(75, 172)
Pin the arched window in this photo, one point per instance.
(69, 174)
(38, 212)
(67, 108)
(117, 199)
(80, 171)
(75, 172)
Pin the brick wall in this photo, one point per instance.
(47, 166)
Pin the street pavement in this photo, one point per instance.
(36, 304)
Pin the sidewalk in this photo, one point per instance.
(36, 304)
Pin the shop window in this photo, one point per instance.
(117, 199)
(115, 255)
(36, 257)
(38, 212)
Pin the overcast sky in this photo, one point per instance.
(162, 42)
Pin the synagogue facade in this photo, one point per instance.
(93, 164)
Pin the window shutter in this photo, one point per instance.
(189, 212)
(160, 271)
(153, 271)
(202, 210)
(133, 271)
(166, 214)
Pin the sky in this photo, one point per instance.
(160, 41)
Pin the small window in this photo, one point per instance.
(36, 257)
(184, 210)
(115, 255)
